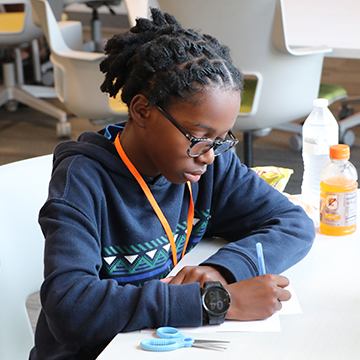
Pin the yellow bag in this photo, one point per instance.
(275, 176)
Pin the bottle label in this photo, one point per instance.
(318, 146)
(338, 209)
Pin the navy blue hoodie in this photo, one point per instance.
(105, 248)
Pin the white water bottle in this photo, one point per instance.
(320, 131)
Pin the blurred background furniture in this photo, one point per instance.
(332, 93)
(284, 81)
(96, 44)
(16, 30)
(23, 190)
(77, 76)
(311, 23)
(139, 8)
(96, 22)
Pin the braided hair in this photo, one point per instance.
(163, 61)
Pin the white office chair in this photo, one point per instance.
(77, 74)
(286, 80)
(23, 190)
(17, 29)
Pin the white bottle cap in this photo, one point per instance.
(321, 103)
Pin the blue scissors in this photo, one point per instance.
(171, 338)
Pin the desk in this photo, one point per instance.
(326, 283)
(325, 22)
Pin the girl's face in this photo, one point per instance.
(166, 146)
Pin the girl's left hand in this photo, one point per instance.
(190, 274)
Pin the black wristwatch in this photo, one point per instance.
(215, 301)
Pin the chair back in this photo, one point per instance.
(255, 31)
(23, 190)
(18, 27)
(77, 76)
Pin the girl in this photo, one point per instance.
(125, 204)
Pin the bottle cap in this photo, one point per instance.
(321, 103)
(340, 151)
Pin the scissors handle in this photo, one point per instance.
(166, 344)
(168, 332)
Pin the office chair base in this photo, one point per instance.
(347, 137)
(345, 111)
(30, 95)
(63, 130)
(10, 96)
(295, 142)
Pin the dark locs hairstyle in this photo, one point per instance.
(160, 59)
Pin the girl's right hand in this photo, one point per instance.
(257, 298)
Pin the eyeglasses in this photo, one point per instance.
(200, 146)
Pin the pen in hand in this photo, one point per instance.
(261, 261)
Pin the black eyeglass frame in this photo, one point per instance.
(193, 140)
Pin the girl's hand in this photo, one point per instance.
(257, 298)
(190, 274)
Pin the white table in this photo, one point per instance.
(327, 284)
(325, 22)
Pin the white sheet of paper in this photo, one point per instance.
(204, 250)
(271, 324)
(208, 247)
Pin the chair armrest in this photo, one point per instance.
(81, 55)
(279, 37)
(72, 34)
(308, 50)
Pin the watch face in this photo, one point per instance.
(216, 300)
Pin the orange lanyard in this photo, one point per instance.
(155, 205)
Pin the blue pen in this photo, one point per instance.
(261, 261)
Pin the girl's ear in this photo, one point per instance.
(139, 110)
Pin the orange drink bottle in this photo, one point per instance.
(338, 193)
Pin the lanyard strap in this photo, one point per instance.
(154, 204)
